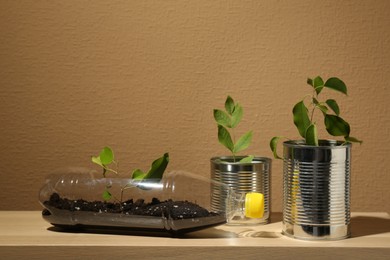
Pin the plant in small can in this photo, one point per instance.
(227, 121)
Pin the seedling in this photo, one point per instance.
(303, 114)
(106, 160)
(227, 121)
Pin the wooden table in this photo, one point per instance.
(25, 235)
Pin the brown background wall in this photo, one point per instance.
(144, 76)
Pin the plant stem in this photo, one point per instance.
(314, 106)
(115, 198)
(122, 190)
(312, 113)
(234, 144)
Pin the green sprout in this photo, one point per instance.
(303, 115)
(106, 160)
(229, 120)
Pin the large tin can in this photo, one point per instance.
(316, 186)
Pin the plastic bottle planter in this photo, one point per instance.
(242, 178)
(316, 187)
(179, 203)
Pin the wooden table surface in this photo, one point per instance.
(25, 235)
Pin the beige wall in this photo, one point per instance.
(144, 76)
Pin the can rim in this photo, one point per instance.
(229, 160)
(323, 144)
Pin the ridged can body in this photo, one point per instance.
(316, 187)
(242, 178)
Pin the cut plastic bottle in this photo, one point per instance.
(179, 203)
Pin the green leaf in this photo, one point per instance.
(158, 168)
(237, 115)
(351, 139)
(323, 108)
(224, 138)
(243, 142)
(274, 145)
(138, 174)
(106, 195)
(333, 105)
(336, 84)
(229, 105)
(318, 84)
(97, 160)
(247, 159)
(222, 118)
(336, 126)
(311, 135)
(156, 171)
(106, 156)
(310, 82)
(301, 118)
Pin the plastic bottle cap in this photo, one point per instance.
(254, 205)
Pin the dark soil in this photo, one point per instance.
(169, 208)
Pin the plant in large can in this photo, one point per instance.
(304, 110)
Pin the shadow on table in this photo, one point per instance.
(365, 226)
(245, 231)
(110, 232)
(275, 218)
(207, 233)
(217, 233)
(255, 231)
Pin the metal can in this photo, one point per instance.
(316, 187)
(242, 178)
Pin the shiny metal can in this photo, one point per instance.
(316, 190)
(242, 178)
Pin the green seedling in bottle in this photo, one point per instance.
(303, 114)
(227, 121)
(107, 161)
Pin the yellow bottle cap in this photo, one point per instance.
(254, 205)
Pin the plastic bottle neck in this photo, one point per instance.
(245, 205)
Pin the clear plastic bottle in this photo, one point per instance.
(179, 203)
